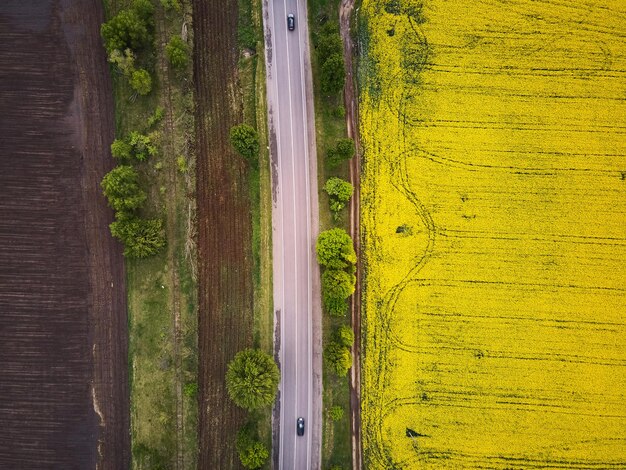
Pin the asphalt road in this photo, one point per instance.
(295, 228)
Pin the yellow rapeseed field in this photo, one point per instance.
(494, 221)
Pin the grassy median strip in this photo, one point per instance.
(162, 288)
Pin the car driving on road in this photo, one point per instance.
(291, 22)
(300, 426)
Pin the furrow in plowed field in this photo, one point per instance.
(494, 221)
(63, 346)
(224, 230)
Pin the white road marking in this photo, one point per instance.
(284, 426)
(282, 228)
(309, 238)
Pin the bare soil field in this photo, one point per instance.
(63, 341)
(224, 230)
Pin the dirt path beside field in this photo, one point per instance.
(224, 230)
(171, 224)
(63, 329)
(352, 121)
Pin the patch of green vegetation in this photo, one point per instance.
(252, 86)
(153, 402)
(248, 29)
(156, 380)
(330, 130)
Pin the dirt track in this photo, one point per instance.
(64, 387)
(352, 124)
(224, 230)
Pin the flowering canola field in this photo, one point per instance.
(494, 231)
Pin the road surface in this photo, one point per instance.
(295, 228)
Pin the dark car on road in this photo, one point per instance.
(291, 22)
(300, 426)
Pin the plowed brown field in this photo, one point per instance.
(224, 229)
(63, 349)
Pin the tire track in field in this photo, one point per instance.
(456, 400)
(538, 286)
(417, 152)
(384, 338)
(379, 452)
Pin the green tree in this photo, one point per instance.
(245, 140)
(177, 53)
(252, 453)
(123, 60)
(171, 5)
(329, 28)
(334, 249)
(336, 413)
(338, 283)
(338, 358)
(141, 237)
(344, 150)
(156, 117)
(121, 187)
(145, 10)
(127, 29)
(136, 145)
(334, 306)
(344, 335)
(332, 74)
(121, 149)
(339, 191)
(252, 379)
(141, 81)
(328, 44)
(142, 146)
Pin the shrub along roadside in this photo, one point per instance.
(337, 353)
(252, 382)
(339, 193)
(332, 162)
(252, 452)
(252, 379)
(335, 249)
(329, 50)
(245, 141)
(335, 252)
(343, 151)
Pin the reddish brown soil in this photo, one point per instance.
(62, 296)
(224, 230)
